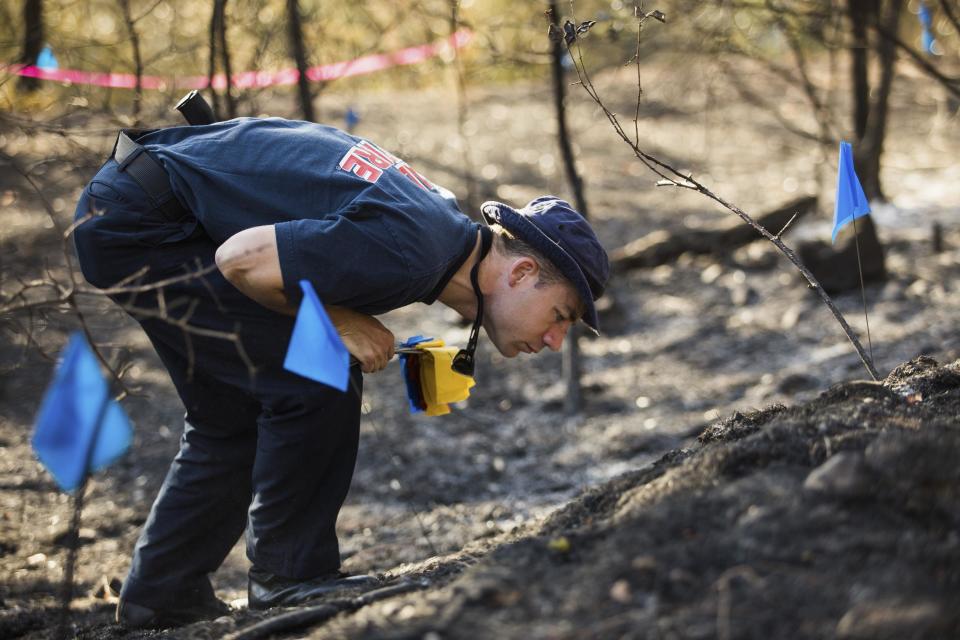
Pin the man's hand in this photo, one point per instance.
(364, 336)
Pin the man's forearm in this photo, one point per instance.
(249, 260)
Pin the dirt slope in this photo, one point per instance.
(813, 521)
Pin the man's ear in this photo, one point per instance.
(523, 269)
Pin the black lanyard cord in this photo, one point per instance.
(465, 360)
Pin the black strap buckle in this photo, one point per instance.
(465, 361)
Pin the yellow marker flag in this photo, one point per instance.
(437, 409)
(441, 384)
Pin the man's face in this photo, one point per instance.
(523, 316)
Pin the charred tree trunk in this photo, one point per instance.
(871, 142)
(835, 268)
(870, 118)
(219, 49)
(470, 204)
(563, 135)
(299, 53)
(137, 60)
(225, 60)
(870, 111)
(212, 68)
(32, 40)
(571, 353)
(860, 13)
(869, 146)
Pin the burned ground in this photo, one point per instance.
(813, 521)
(833, 518)
(732, 475)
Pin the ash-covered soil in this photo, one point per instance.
(834, 518)
(813, 504)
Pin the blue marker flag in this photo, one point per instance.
(316, 350)
(79, 428)
(926, 21)
(851, 203)
(46, 59)
(351, 118)
(410, 370)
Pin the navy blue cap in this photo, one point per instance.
(555, 229)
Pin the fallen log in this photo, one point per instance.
(661, 247)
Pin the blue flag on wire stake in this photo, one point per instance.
(80, 428)
(316, 350)
(926, 22)
(851, 203)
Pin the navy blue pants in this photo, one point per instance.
(264, 452)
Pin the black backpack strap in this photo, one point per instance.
(148, 173)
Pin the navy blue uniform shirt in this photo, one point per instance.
(366, 229)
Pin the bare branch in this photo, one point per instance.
(147, 11)
(951, 16)
(950, 84)
(787, 226)
(756, 99)
(63, 296)
(672, 177)
(47, 206)
(638, 13)
(819, 110)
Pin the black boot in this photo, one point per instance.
(266, 590)
(199, 604)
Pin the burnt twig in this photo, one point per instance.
(670, 176)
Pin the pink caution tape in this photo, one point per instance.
(254, 79)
